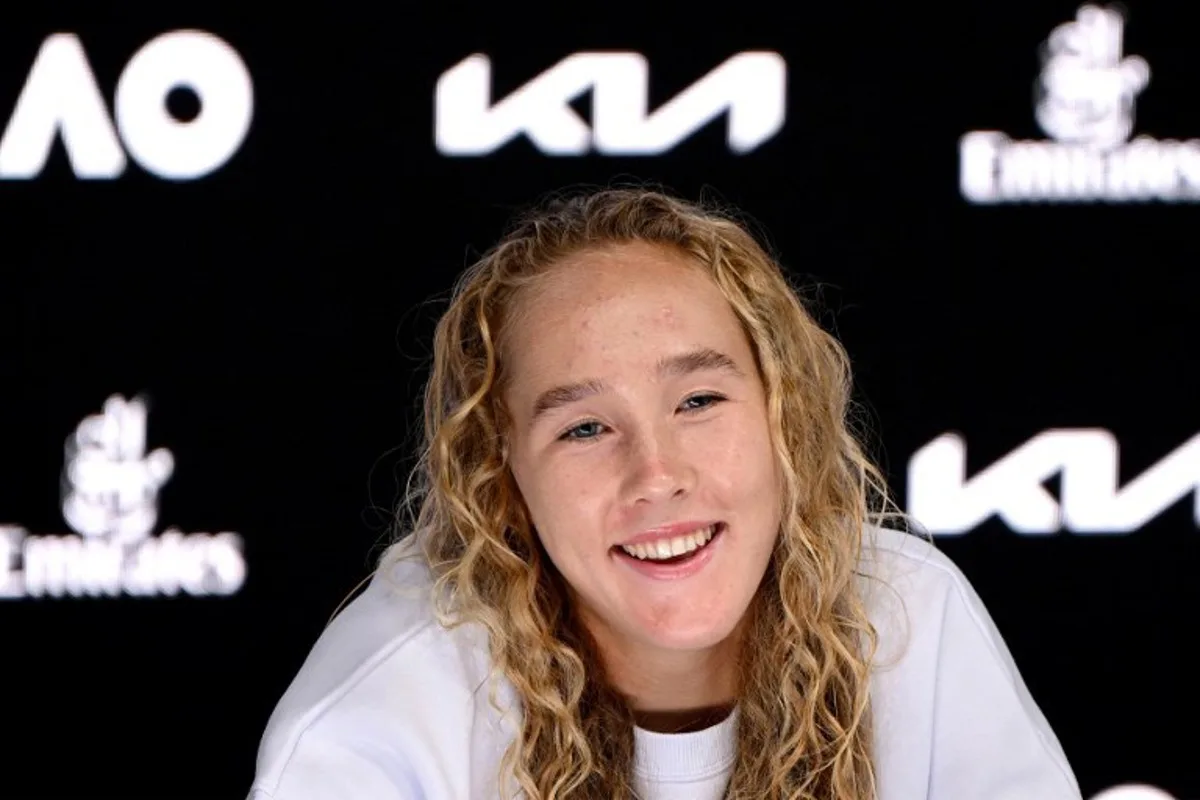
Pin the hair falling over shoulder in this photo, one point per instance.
(804, 731)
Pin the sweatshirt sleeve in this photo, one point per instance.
(990, 739)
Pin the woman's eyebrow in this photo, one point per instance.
(676, 366)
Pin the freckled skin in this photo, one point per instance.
(648, 452)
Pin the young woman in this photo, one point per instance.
(650, 559)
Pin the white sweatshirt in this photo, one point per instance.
(391, 706)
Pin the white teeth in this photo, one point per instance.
(668, 548)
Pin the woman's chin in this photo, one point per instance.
(688, 632)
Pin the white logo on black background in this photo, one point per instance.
(110, 499)
(1085, 102)
(111, 483)
(748, 88)
(1087, 88)
(61, 98)
(1134, 791)
(1092, 500)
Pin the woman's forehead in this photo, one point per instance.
(594, 279)
(633, 315)
(615, 298)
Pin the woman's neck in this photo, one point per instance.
(673, 691)
(682, 721)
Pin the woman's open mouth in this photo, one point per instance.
(676, 551)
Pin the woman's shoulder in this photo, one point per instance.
(393, 616)
(910, 561)
(948, 696)
(918, 599)
(382, 670)
(907, 584)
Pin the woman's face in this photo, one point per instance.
(639, 419)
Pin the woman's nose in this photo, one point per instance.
(658, 469)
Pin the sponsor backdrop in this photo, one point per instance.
(225, 245)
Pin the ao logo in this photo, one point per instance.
(61, 98)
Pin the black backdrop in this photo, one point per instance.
(275, 315)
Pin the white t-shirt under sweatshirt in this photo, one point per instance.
(391, 706)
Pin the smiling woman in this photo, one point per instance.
(649, 559)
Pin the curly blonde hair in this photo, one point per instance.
(804, 727)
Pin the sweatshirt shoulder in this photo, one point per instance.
(907, 584)
(386, 649)
(909, 565)
(888, 552)
(952, 712)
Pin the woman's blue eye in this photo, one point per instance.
(709, 400)
(570, 434)
(590, 430)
